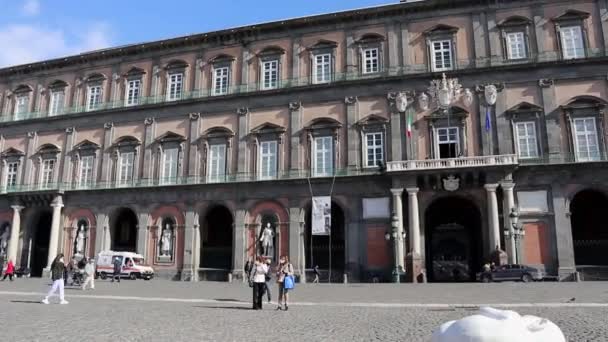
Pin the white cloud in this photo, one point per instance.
(23, 44)
(31, 7)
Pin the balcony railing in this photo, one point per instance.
(565, 158)
(464, 64)
(452, 163)
(181, 181)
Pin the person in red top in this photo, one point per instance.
(10, 270)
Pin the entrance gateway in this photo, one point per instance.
(453, 240)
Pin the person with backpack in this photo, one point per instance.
(57, 272)
(285, 281)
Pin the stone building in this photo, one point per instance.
(182, 149)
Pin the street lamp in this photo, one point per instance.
(516, 232)
(394, 236)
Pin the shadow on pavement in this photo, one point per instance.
(26, 301)
(225, 307)
(228, 300)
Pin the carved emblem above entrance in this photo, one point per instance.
(451, 183)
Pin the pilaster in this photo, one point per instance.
(149, 134)
(245, 59)
(405, 47)
(105, 164)
(603, 13)
(296, 242)
(539, 32)
(503, 129)
(394, 48)
(102, 229)
(142, 233)
(351, 54)
(32, 142)
(243, 155)
(296, 46)
(295, 127)
(479, 39)
(240, 244)
(496, 57)
(68, 168)
(193, 167)
(551, 120)
(189, 271)
(563, 233)
(352, 116)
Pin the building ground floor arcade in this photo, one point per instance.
(447, 224)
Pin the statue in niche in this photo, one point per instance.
(165, 242)
(80, 241)
(267, 240)
(4, 240)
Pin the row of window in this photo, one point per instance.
(447, 144)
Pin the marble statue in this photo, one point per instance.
(493, 325)
(266, 240)
(165, 241)
(4, 240)
(80, 241)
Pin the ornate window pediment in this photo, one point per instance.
(22, 89)
(323, 44)
(370, 38)
(268, 128)
(571, 15)
(217, 133)
(176, 64)
(57, 85)
(134, 72)
(524, 109)
(222, 58)
(514, 21)
(86, 145)
(441, 29)
(12, 153)
(272, 50)
(456, 112)
(96, 78)
(169, 137)
(584, 102)
(48, 149)
(372, 120)
(323, 123)
(126, 141)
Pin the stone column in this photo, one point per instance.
(398, 210)
(352, 115)
(509, 203)
(100, 232)
(494, 225)
(188, 273)
(240, 244)
(296, 242)
(15, 230)
(57, 204)
(142, 234)
(414, 257)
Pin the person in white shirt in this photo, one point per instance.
(89, 275)
(258, 279)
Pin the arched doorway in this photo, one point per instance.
(322, 248)
(452, 240)
(124, 230)
(216, 236)
(589, 228)
(40, 226)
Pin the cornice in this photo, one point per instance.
(249, 33)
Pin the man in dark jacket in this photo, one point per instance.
(117, 269)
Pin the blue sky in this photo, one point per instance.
(34, 30)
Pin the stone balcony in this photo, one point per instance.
(453, 163)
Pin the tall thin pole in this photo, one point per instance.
(329, 252)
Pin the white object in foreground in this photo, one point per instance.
(493, 325)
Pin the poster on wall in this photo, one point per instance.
(321, 215)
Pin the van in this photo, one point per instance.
(133, 265)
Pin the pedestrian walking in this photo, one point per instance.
(268, 279)
(317, 274)
(89, 275)
(57, 273)
(248, 268)
(258, 279)
(117, 269)
(284, 270)
(10, 271)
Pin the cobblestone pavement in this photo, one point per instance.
(162, 311)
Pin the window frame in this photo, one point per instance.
(534, 134)
(177, 94)
(221, 158)
(56, 107)
(567, 20)
(581, 39)
(437, 141)
(173, 166)
(93, 105)
(22, 103)
(223, 89)
(441, 33)
(47, 173)
(442, 50)
(328, 74)
(328, 171)
(133, 94)
(9, 173)
(365, 59)
(374, 147)
(88, 181)
(587, 133)
(509, 46)
(269, 85)
(124, 179)
(273, 169)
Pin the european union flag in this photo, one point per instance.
(488, 120)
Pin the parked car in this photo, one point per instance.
(511, 272)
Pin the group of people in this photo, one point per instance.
(259, 276)
(60, 273)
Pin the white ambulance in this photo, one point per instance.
(133, 265)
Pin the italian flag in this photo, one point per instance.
(409, 125)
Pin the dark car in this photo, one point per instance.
(511, 272)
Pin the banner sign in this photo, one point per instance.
(321, 215)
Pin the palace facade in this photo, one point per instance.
(182, 149)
